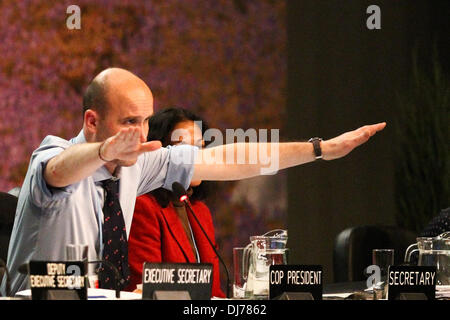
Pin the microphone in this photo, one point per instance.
(181, 194)
(116, 275)
(8, 278)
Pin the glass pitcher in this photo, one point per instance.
(262, 252)
(433, 251)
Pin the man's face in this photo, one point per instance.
(130, 109)
(127, 108)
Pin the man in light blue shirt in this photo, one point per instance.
(61, 198)
(50, 215)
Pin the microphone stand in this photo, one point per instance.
(188, 205)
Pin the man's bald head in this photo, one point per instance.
(112, 81)
(114, 100)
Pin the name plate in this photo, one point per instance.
(295, 278)
(414, 281)
(195, 278)
(59, 280)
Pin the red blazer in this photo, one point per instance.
(157, 234)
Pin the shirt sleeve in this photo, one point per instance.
(41, 193)
(164, 166)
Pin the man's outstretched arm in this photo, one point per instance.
(82, 160)
(212, 163)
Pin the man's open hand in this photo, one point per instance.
(342, 145)
(126, 146)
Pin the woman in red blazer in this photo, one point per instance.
(162, 230)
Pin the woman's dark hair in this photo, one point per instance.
(161, 125)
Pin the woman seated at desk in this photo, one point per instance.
(162, 230)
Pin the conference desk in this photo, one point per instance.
(338, 298)
(334, 291)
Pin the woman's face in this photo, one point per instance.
(188, 132)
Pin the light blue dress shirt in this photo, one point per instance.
(47, 219)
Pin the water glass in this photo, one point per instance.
(76, 252)
(383, 258)
(239, 278)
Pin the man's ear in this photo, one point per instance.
(91, 120)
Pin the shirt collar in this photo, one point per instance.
(80, 138)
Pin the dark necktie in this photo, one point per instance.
(115, 247)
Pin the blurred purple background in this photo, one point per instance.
(225, 60)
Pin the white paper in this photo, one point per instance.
(97, 294)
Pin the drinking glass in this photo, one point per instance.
(383, 258)
(76, 252)
(239, 278)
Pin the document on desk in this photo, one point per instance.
(337, 295)
(442, 292)
(97, 294)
